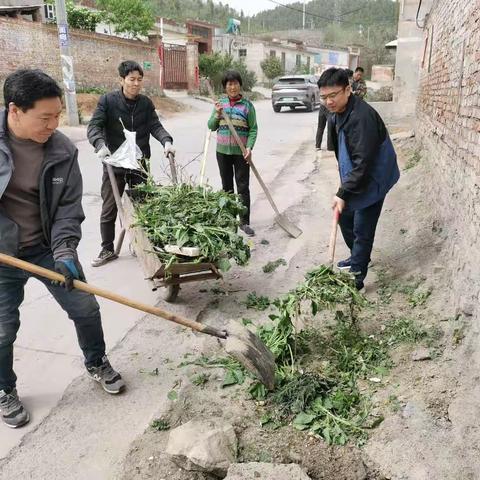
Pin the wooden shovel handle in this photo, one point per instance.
(333, 237)
(88, 288)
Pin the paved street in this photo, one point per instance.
(47, 358)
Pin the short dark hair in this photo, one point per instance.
(129, 66)
(334, 77)
(360, 69)
(25, 86)
(349, 72)
(231, 76)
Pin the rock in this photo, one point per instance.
(266, 471)
(204, 446)
(421, 354)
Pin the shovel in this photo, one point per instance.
(333, 237)
(204, 156)
(240, 342)
(282, 220)
(118, 201)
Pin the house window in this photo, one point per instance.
(298, 60)
(242, 53)
(273, 53)
(308, 63)
(49, 11)
(283, 60)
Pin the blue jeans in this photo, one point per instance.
(81, 307)
(358, 230)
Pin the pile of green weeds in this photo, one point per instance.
(191, 216)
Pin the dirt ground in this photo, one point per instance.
(87, 103)
(414, 397)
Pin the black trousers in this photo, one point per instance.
(358, 230)
(109, 207)
(235, 166)
(82, 308)
(323, 114)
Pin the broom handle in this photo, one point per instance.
(333, 237)
(88, 288)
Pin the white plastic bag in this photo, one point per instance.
(128, 154)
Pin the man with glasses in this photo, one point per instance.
(367, 165)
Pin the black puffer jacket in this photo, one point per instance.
(141, 117)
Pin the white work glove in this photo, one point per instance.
(168, 149)
(103, 152)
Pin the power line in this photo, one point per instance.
(330, 19)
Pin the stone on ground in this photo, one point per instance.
(266, 471)
(203, 446)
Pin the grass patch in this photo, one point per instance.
(201, 379)
(272, 266)
(414, 160)
(257, 302)
(404, 330)
(160, 424)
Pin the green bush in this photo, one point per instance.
(80, 17)
(272, 67)
(213, 66)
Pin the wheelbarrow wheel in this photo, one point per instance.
(171, 292)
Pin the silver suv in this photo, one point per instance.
(295, 91)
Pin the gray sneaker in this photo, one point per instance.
(109, 379)
(104, 257)
(13, 412)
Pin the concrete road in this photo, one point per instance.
(47, 357)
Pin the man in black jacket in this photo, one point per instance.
(40, 216)
(367, 166)
(127, 108)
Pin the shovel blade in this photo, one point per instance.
(251, 352)
(288, 226)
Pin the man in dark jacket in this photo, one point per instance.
(40, 217)
(367, 166)
(127, 108)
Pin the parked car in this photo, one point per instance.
(295, 91)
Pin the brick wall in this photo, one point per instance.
(448, 124)
(96, 56)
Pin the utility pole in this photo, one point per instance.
(304, 5)
(67, 63)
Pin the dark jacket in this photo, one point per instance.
(367, 160)
(60, 193)
(106, 128)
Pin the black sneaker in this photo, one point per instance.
(359, 285)
(248, 230)
(344, 264)
(109, 379)
(104, 257)
(13, 412)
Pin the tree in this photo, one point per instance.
(213, 67)
(272, 67)
(79, 17)
(133, 17)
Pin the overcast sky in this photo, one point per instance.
(250, 7)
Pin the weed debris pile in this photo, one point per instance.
(191, 216)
